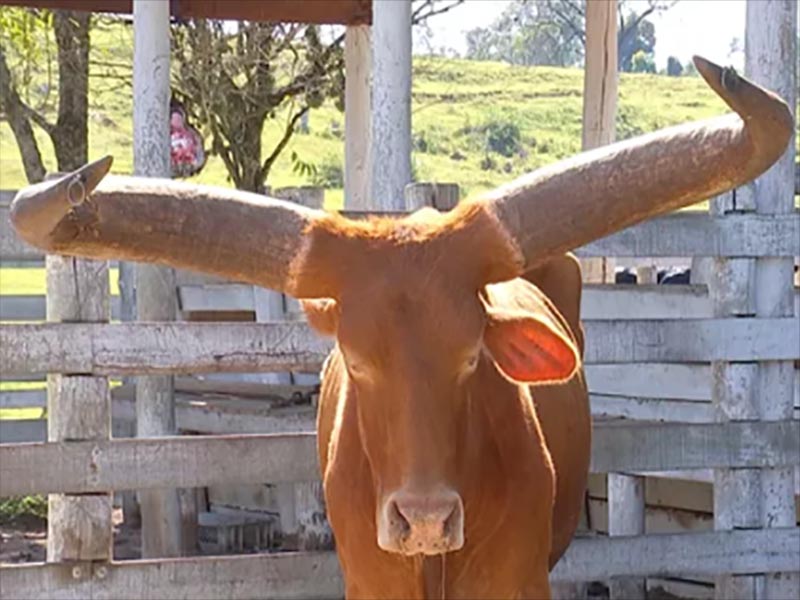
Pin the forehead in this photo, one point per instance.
(397, 296)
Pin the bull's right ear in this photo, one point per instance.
(323, 314)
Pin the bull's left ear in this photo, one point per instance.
(528, 349)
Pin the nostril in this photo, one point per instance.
(397, 520)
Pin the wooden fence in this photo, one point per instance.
(649, 356)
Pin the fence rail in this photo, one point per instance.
(150, 348)
(303, 575)
(195, 461)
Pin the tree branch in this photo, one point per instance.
(418, 17)
(287, 135)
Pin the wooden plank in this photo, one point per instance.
(357, 115)
(23, 399)
(680, 554)
(316, 575)
(651, 409)
(146, 463)
(218, 347)
(689, 382)
(286, 576)
(18, 431)
(85, 467)
(692, 234)
(79, 527)
(160, 348)
(698, 340)
(32, 307)
(641, 447)
(771, 47)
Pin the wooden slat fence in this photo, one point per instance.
(648, 349)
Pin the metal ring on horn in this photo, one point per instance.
(76, 182)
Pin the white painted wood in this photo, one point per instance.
(289, 576)
(690, 382)
(390, 148)
(357, 113)
(155, 286)
(81, 467)
(599, 102)
(771, 60)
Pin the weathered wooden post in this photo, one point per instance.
(760, 287)
(391, 103)
(357, 69)
(156, 294)
(79, 526)
(599, 102)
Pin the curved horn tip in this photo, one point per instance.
(92, 173)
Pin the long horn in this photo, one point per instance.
(233, 234)
(573, 202)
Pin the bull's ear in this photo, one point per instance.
(323, 314)
(528, 349)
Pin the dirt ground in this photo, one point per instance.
(24, 540)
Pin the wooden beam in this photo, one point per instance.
(390, 156)
(286, 576)
(121, 349)
(599, 102)
(322, 12)
(357, 115)
(307, 575)
(87, 467)
(79, 527)
(679, 554)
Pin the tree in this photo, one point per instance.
(674, 67)
(553, 32)
(233, 79)
(23, 46)
(642, 63)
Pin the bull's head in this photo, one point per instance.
(364, 280)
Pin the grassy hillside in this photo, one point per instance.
(474, 123)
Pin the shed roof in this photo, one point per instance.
(344, 12)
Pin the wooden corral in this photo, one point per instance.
(691, 388)
(649, 353)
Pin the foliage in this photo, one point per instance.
(642, 63)
(674, 67)
(552, 32)
(26, 51)
(233, 79)
(19, 506)
(502, 137)
(329, 173)
(452, 101)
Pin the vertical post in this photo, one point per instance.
(390, 155)
(79, 526)
(357, 68)
(625, 493)
(599, 102)
(155, 286)
(751, 498)
(441, 196)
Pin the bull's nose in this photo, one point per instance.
(422, 523)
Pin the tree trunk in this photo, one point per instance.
(20, 125)
(248, 154)
(70, 136)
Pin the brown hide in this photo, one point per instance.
(398, 397)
